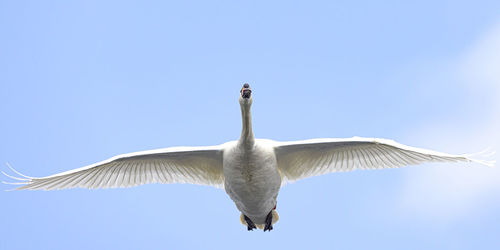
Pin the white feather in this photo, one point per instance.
(302, 159)
(251, 170)
(196, 165)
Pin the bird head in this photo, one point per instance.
(246, 95)
(246, 91)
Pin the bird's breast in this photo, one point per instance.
(251, 176)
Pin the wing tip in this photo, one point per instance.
(486, 153)
(24, 181)
(17, 172)
(485, 162)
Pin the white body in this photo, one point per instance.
(252, 171)
(251, 178)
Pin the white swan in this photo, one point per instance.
(251, 170)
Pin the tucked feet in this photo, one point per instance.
(269, 222)
(250, 225)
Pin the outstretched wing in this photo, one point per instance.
(302, 159)
(195, 165)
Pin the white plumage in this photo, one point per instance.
(251, 170)
(196, 165)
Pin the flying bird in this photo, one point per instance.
(251, 171)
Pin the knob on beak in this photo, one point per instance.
(246, 92)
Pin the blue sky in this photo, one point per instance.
(82, 81)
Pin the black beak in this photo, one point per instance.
(246, 93)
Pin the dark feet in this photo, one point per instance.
(250, 224)
(269, 222)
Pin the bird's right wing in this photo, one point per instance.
(196, 165)
(302, 159)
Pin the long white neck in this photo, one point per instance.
(246, 138)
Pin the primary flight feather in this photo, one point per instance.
(250, 170)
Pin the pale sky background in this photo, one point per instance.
(81, 81)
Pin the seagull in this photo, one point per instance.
(251, 170)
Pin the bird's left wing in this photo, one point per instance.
(302, 159)
(195, 165)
